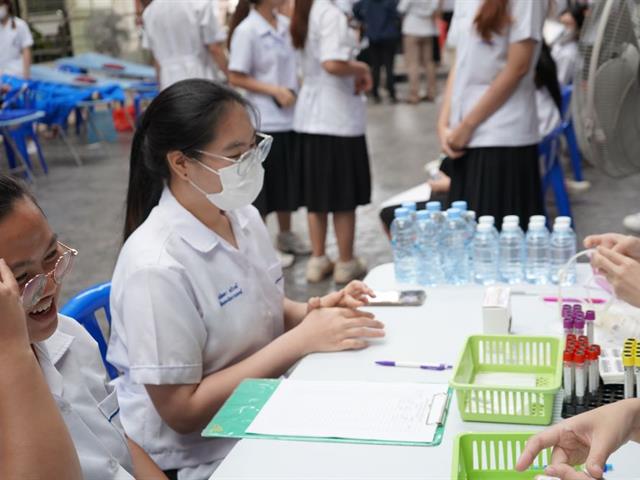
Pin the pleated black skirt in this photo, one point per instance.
(335, 171)
(282, 176)
(499, 181)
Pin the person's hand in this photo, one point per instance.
(625, 244)
(585, 439)
(622, 272)
(459, 138)
(364, 81)
(284, 97)
(355, 295)
(335, 329)
(443, 134)
(13, 322)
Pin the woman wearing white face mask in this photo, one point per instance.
(15, 43)
(197, 298)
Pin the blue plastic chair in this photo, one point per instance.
(553, 175)
(570, 134)
(83, 308)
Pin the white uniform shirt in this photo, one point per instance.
(478, 63)
(327, 104)
(178, 33)
(266, 54)
(12, 42)
(566, 56)
(185, 304)
(548, 113)
(73, 369)
(418, 17)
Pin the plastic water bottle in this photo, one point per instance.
(563, 248)
(490, 220)
(512, 253)
(412, 207)
(454, 255)
(403, 245)
(485, 255)
(537, 268)
(563, 221)
(437, 214)
(429, 271)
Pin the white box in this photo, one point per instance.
(496, 311)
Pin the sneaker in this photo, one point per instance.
(354, 269)
(289, 242)
(575, 186)
(632, 222)
(318, 268)
(286, 259)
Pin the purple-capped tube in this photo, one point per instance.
(568, 326)
(578, 324)
(590, 318)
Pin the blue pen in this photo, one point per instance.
(423, 366)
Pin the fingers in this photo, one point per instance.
(537, 443)
(350, 313)
(350, 302)
(613, 256)
(603, 264)
(364, 332)
(7, 278)
(566, 472)
(332, 299)
(600, 450)
(353, 344)
(365, 322)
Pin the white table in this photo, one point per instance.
(434, 332)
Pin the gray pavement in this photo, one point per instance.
(85, 205)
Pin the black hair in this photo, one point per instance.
(11, 191)
(546, 75)
(577, 11)
(184, 117)
(11, 11)
(239, 14)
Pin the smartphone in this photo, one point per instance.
(395, 298)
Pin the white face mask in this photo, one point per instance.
(4, 12)
(241, 182)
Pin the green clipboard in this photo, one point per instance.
(244, 404)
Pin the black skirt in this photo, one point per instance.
(282, 177)
(335, 171)
(499, 181)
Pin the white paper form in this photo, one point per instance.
(357, 410)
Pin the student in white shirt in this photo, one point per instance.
(488, 123)
(15, 43)
(330, 118)
(197, 296)
(262, 61)
(565, 49)
(419, 33)
(185, 38)
(59, 417)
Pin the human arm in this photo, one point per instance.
(27, 407)
(143, 466)
(219, 54)
(621, 271)
(188, 408)
(519, 58)
(359, 70)
(26, 62)
(588, 439)
(443, 118)
(282, 95)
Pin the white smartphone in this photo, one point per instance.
(398, 298)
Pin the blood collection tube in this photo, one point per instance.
(568, 326)
(578, 323)
(590, 320)
(594, 371)
(637, 370)
(567, 376)
(628, 361)
(583, 341)
(579, 359)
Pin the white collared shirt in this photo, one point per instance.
(73, 369)
(266, 54)
(478, 63)
(185, 304)
(179, 33)
(418, 17)
(12, 42)
(327, 104)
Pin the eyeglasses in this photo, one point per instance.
(248, 158)
(34, 289)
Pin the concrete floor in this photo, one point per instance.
(85, 205)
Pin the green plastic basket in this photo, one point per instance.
(541, 356)
(493, 456)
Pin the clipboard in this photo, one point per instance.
(244, 404)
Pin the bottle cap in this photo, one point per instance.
(567, 323)
(538, 218)
(487, 219)
(590, 316)
(571, 336)
(401, 212)
(567, 356)
(561, 227)
(579, 356)
(577, 307)
(410, 206)
(511, 219)
(460, 205)
(597, 348)
(562, 219)
(453, 213)
(484, 228)
(583, 340)
(566, 306)
(423, 214)
(510, 227)
(592, 354)
(434, 206)
(578, 323)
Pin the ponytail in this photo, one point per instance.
(493, 17)
(184, 118)
(239, 14)
(300, 23)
